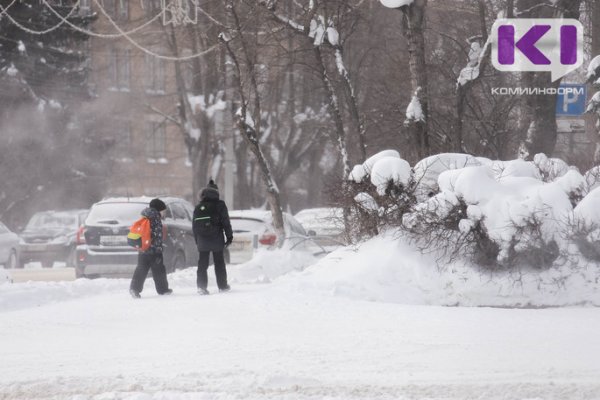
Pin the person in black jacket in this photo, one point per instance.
(212, 231)
(153, 257)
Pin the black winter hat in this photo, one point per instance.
(212, 185)
(158, 205)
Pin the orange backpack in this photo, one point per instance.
(140, 234)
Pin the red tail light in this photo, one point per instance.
(268, 239)
(81, 235)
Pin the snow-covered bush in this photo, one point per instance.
(586, 225)
(499, 216)
(427, 171)
(495, 213)
(377, 194)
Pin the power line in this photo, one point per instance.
(121, 33)
(102, 35)
(34, 32)
(146, 50)
(4, 10)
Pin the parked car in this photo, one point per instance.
(9, 248)
(50, 236)
(253, 229)
(105, 252)
(326, 225)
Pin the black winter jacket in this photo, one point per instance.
(156, 245)
(215, 240)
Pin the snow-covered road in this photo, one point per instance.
(266, 342)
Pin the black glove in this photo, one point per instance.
(228, 242)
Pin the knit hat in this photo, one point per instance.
(158, 205)
(212, 185)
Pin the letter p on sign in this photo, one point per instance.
(537, 44)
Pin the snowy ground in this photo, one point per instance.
(306, 335)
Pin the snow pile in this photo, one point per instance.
(414, 111)
(507, 207)
(208, 106)
(321, 31)
(551, 168)
(427, 171)
(268, 265)
(361, 171)
(593, 71)
(471, 71)
(592, 179)
(501, 213)
(388, 269)
(5, 276)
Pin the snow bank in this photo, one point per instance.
(387, 269)
(5, 276)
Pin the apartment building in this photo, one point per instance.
(137, 101)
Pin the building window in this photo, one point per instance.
(156, 142)
(124, 141)
(124, 67)
(85, 7)
(119, 69)
(155, 74)
(151, 7)
(109, 7)
(123, 10)
(118, 9)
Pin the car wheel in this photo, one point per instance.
(13, 262)
(47, 264)
(178, 262)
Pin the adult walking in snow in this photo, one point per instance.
(212, 231)
(152, 258)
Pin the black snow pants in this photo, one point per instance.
(220, 270)
(146, 262)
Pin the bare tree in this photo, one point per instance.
(538, 112)
(413, 24)
(248, 118)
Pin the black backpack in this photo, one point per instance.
(206, 219)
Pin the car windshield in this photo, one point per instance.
(115, 213)
(53, 220)
(243, 225)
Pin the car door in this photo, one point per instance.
(180, 229)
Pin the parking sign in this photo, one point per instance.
(571, 100)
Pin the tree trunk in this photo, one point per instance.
(413, 26)
(251, 130)
(334, 109)
(539, 114)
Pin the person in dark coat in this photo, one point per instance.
(152, 259)
(212, 231)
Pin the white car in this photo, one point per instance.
(253, 229)
(9, 248)
(326, 225)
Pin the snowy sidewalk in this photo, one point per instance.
(265, 342)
